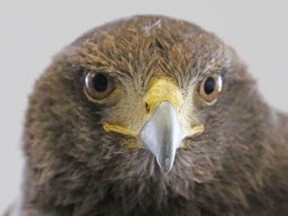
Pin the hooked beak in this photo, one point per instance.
(163, 134)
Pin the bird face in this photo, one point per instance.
(134, 91)
(165, 118)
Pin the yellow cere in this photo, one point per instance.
(163, 89)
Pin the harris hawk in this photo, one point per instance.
(152, 116)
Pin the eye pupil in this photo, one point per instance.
(209, 86)
(100, 82)
(98, 85)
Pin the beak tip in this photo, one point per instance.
(166, 164)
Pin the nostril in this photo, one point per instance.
(147, 107)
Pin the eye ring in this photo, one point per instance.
(210, 88)
(98, 85)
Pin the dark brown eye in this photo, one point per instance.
(98, 85)
(210, 88)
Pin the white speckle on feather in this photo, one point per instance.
(147, 28)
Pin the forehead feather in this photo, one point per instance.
(144, 46)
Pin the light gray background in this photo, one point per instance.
(32, 31)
